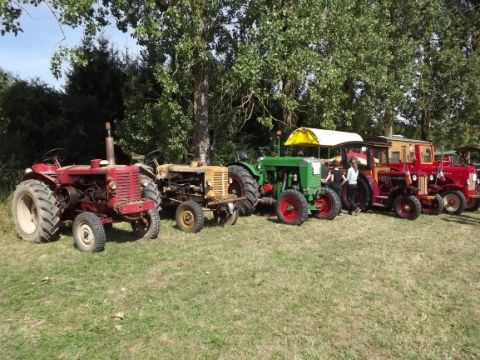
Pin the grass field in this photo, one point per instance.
(370, 286)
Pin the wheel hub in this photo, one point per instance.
(27, 214)
(86, 234)
(188, 218)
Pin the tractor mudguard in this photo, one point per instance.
(251, 169)
(50, 181)
(146, 170)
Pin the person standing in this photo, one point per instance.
(352, 177)
(335, 179)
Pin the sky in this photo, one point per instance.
(28, 54)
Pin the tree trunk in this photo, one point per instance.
(201, 140)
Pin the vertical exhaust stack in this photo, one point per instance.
(109, 145)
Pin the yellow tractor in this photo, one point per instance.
(190, 190)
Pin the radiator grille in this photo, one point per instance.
(128, 185)
(423, 185)
(220, 183)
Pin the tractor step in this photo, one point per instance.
(379, 205)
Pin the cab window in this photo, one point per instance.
(426, 153)
(380, 156)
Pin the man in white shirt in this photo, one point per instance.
(352, 177)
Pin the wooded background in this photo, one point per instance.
(217, 76)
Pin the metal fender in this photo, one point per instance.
(252, 169)
(50, 181)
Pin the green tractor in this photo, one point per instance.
(293, 184)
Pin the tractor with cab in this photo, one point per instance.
(378, 185)
(94, 196)
(457, 184)
(189, 191)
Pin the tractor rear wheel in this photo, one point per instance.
(189, 217)
(292, 207)
(363, 195)
(243, 185)
(35, 212)
(89, 233)
(407, 207)
(435, 207)
(328, 204)
(150, 191)
(454, 202)
(148, 227)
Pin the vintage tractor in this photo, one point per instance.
(431, 200)
(189, 190)
(457, 184)
(94, 196)
(292, 183)
(378, 186)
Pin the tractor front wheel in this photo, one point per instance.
(434, 207)
(35, 212)
(189, 217)
(407, 207)
(292, 207)
(223, 216)
(89, 233)
(473, 205)
(328, 204)
(454, 202)
(147, 227)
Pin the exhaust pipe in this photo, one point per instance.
(109, 145)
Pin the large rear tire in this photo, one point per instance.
(36, 213)
(364, 195)
(292, 207)
(328, 204)
(150, 191)
(435, 207)
(149, 227)
(407, 207)
(189, 217)
(243, 185)
(454, 202)
(88, 232)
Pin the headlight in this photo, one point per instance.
(28, 170)
(145, 182)
(414, 177)
(230, 180)
(432, 177)
(474, 177)
(209, 183)
(112, 186)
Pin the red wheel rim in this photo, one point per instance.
(290, 208)
(405, 208)
(323, 204)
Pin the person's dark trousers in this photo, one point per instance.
(352, 195)
(338, 189)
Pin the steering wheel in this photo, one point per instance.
(55, 156)
(151, 157)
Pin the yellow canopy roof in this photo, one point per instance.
(320, 137)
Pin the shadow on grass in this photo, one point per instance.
(462, 219)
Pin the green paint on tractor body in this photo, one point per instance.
(275, 174)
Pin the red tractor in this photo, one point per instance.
(456, 184)
(379, 186)
(94, 196)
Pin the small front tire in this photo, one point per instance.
(407, 207)
(89, 233)
(328, 204)
(435, 207)
(147, 227)
(292, 207)
(189, 217)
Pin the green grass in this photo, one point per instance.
(371, 286)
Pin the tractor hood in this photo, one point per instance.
(321, 137)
